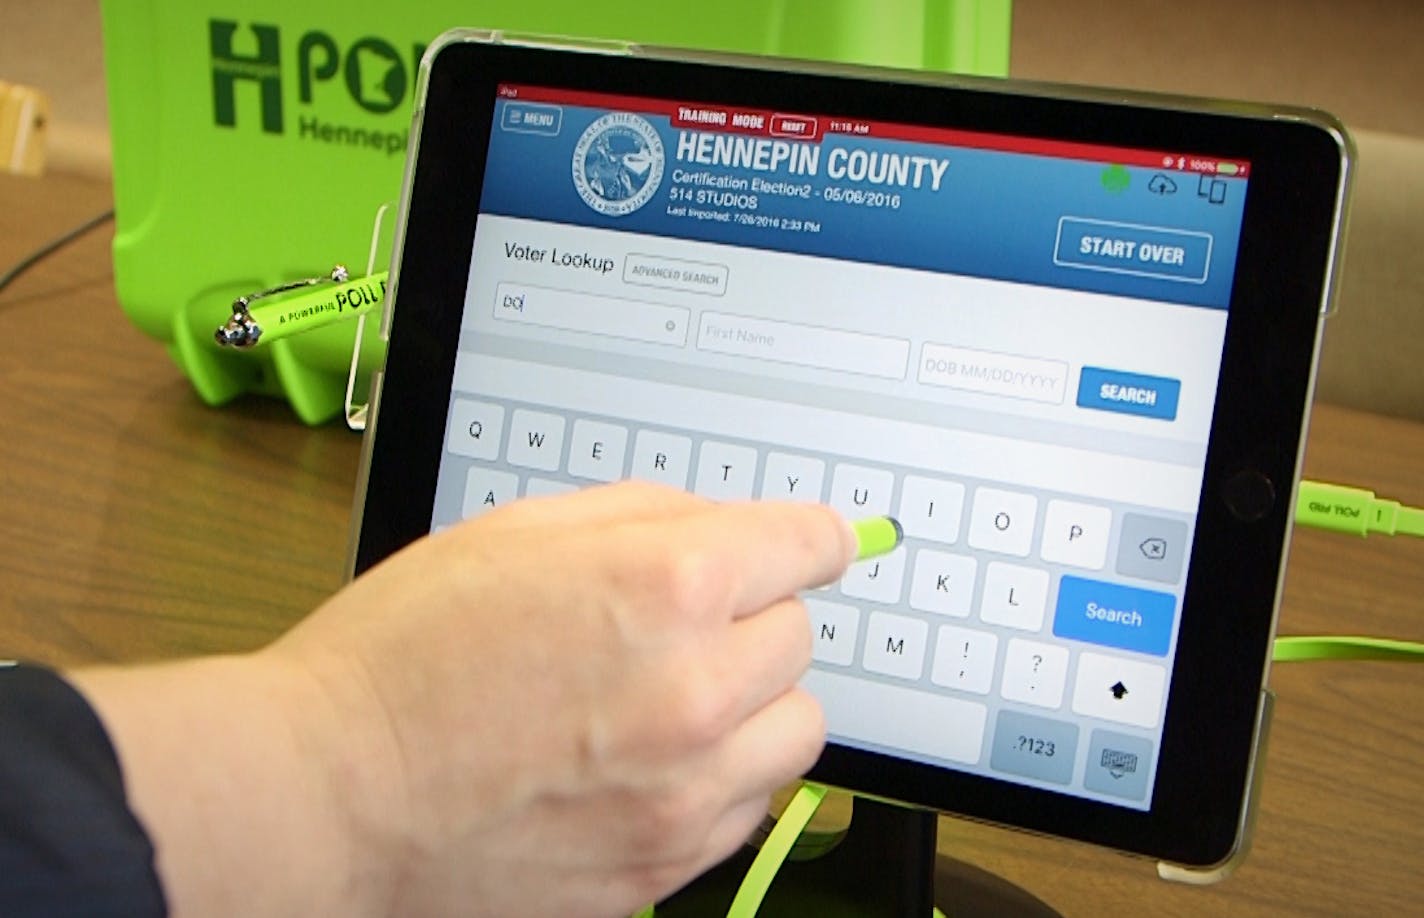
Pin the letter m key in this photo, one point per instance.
(264, 67)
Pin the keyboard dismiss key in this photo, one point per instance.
(1113, 615)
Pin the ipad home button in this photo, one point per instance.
(1249, 495)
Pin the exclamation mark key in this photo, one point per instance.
(964, 659)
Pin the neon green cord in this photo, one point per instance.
(775, 849)
(1346, 647)
(1354, 510)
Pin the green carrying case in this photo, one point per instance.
(253, 142)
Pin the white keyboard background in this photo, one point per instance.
(915, 652)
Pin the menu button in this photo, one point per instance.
(531, 118)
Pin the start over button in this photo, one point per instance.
(1130, 248)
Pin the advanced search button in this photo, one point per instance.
(1113, 615)
(1130, 248)
(1129, 393)
(531, 118)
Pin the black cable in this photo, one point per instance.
(54, 245)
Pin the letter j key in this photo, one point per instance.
(878, 579)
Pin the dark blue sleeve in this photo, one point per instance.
(69, 844)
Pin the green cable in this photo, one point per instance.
(775, 849)
(1354, 510)
(1346, 647)
(773, 854)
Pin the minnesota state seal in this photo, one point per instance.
(618, 163)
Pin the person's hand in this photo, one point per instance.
(572, 705)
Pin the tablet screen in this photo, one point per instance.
(1012, 345)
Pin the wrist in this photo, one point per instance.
(233, 767)
(339, 724)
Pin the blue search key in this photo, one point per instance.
(1113, 615)
(1129, 393)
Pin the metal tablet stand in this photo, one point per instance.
(886, 866)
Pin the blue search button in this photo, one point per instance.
(1130, 248)
(531, 118)
(1129, 393)
(1113, 615)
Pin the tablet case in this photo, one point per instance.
(253, 143)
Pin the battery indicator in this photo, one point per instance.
(1227, 168)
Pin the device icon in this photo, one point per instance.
(1213, 189)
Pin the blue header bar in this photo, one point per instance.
(1128, 230)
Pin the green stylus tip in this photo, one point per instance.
(876, 536)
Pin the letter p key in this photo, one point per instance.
(1076, 534)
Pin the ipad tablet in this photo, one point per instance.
(1067, 338)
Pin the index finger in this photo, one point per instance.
(746, 556)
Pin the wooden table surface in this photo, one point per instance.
(136, 523)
